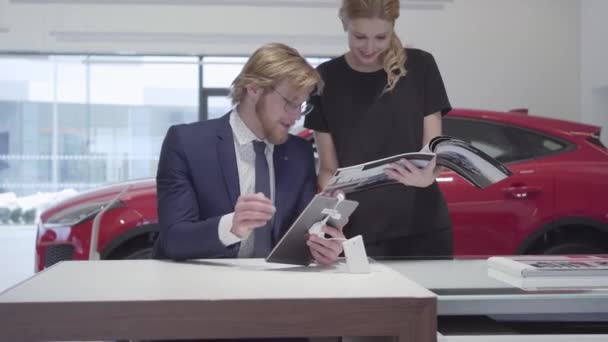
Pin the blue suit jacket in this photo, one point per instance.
(197, 183)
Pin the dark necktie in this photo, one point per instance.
(258, 245)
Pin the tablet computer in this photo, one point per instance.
(292, 248)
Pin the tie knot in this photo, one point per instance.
(259, 147)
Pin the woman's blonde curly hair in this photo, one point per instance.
(394, 59)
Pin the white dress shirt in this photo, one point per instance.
(245, 162)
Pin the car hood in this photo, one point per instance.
(104, 193)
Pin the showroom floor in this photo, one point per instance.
(16, 254)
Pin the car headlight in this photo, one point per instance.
(79, 213)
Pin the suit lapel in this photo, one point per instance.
(227, 159)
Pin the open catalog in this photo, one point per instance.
(461, 157)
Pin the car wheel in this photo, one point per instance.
(139, 248)
(577, 247)
(145, 253)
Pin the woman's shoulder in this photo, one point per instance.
(417, 55)
(337, 64)
(418, 59)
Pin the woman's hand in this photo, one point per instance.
(406, 173)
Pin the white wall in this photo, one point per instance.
(594, 64)
(505, 54)
(493, 54)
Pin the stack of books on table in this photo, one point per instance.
(551, 271)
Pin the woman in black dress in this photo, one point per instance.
(381, 99)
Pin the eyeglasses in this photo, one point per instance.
(292, 107)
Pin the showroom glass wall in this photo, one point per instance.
(69, 123)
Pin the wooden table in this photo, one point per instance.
(223, 298)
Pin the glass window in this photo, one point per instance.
(218, 74)
(74, 122)
(217, 106)
(505, 143)
(80, 121)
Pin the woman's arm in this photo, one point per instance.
(432, 127)
(408, 174)
(328, 160)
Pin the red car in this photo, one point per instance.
(555, 202)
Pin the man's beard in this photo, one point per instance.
(270, 129)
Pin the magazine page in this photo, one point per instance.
(551, 265)
(469, 162)
(371, 174)
(438, 139)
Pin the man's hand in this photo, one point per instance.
(325, 251)
(406, 173)
(251, 211)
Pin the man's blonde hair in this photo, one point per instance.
(271, 64)
(395, 57)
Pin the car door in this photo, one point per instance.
(494, 220)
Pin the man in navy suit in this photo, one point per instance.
(231, 187)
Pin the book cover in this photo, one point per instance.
(551, 283)
(469, 162)
(528, 266)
